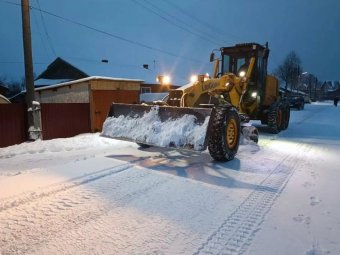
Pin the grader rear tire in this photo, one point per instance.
(225, 134)
(286, 116)
(275, 118)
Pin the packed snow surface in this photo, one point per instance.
(94, 195)
(149, 129)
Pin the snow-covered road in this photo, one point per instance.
(94, 195)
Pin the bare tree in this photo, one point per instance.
(290, 70)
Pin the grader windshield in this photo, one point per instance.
(236, 60)
(233, 65)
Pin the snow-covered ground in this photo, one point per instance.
(95, 195)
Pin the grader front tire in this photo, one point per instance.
(225, 134)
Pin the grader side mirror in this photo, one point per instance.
(212, 56)
(266, 53)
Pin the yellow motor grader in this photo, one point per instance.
(211, 112)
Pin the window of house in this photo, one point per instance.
(145, 90)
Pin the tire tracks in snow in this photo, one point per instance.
(27, 226)
(236, 233)
(21, 199)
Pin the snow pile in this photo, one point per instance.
(151, 130)
(81, 142)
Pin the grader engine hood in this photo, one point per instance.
(210, 85)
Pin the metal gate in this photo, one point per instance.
(60, 120)
(13, 127)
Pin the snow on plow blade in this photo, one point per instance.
(163, 126)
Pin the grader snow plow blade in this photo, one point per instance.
(163, 126)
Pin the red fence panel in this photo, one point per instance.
(60, 120)
(13, 128)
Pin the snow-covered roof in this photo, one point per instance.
(150, 97)
(187, 85)
(86, 79)
(3, 98)
(47, 82)
(292, 91)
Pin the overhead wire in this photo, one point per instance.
(109, 34)
(157, 11)
(45, 30)
(100, 61)
(21, 62)
(116, 36)
(193, 17)
(39, 33)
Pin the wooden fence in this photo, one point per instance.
(13, 124)
(58, 121)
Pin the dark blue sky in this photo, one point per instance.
(172, 36)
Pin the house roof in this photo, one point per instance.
(3, 87)
(48, 82)
(85, 79)
(74, 69)
(150, 97)
(61, 69)
(4, 99)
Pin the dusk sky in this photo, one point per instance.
(171, 36)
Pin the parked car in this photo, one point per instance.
(296, 101)
(307, 99)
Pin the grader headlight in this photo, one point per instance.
(203, 77)
(194, 78)
(242, 73)
(229, 85)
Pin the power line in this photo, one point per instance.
(9, 2)
(96, 61)
(188, 14)
(173, 18)
(109, 34)
(116, 36)
(21, 62)
(45, 29)
(40, 34)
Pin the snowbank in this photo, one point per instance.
(81, 142)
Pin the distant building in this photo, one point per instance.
(59, 71)
(98, 92)
(331, 89)
(156, 88)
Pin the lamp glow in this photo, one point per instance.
(254, 94)
(193, 78)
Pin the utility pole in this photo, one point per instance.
(34, 131)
